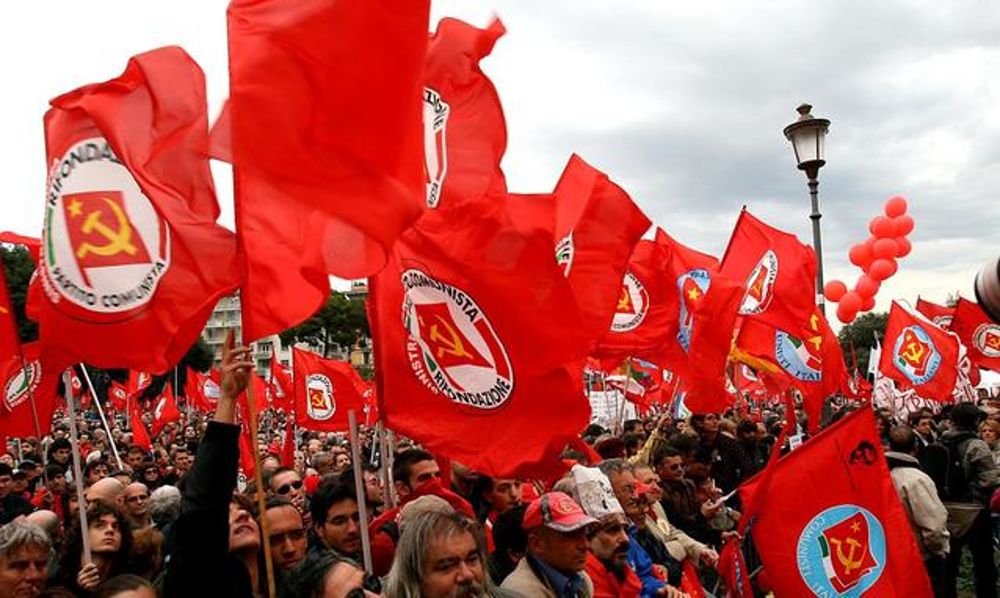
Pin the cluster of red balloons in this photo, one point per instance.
(877, 257)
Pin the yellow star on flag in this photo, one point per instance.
(75, 208)
(693, 294)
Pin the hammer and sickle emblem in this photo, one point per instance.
(992, 341)
(851, 560)
(914, 352)
(316, 398)
(450, 344)
(864, 452)
(625, 301)
(118, 240)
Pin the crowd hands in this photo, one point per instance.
(640, 510)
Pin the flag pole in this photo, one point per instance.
(385, 466)
(259, 482)
(100, 411)
(77, 473)
(359, 490)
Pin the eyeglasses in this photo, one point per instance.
(137, 498)
(286, 488)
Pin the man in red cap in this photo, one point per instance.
(557, 550)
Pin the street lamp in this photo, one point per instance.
(807, 135)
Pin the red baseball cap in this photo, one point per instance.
(556, 511)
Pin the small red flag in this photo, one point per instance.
(10, 343)
(919, 355)
(324, 124)
(139, 434)
(778, 271)
(281, 387)
(325, 390)
(133, 262)
(711, 343)
(939, 314)
(465, 134)
(117, 396)
(202, 391)
(165, 411)
(979, 333)
(288, 446)
(831, 523)
(22, 381)
(733, 571)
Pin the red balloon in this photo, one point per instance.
(834, 290)
(867, 286)
(903, 246)
(885, 249)
(903, 225)
(882, 269)
(867, 303)
(895, 206)
(882, 227)
(860, 255)
(850, 301)
(844, 314)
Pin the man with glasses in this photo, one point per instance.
(336, 519)
(137, 506)
(286, 533)
(286, 483)
(680, 502)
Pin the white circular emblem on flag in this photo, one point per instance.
(986, 338)
(633, 303)
(211, 391)
(452, 346)
(842, 551)
(320, 404)
(105, 249)
(760, 285)
(944, 322)
(22, 384)
(435, 147)
(915, 355)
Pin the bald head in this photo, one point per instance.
(47, 520)
(106, 490)
(137, 504)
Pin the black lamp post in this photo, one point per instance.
(807, 135)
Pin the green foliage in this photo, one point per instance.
(339, 323)
(861, 334)
(18, 267)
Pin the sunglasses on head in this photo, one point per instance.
(286, 488)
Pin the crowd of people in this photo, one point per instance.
(643, 509)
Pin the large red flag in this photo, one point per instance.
(325, 390)
(479, 352)
(324, 118)
(831, 523)
(779, 274)
(919, 355)
(132, 261)
(465, 134)
(711, 343)
(165, 411)
(939, 314)
(979, 333)
(20, 383)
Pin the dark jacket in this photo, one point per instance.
(201, 564)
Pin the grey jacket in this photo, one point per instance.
(927, 514)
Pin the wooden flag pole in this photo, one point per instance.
(259, 481)
(359, 490)
(77, 470)
(100, 411)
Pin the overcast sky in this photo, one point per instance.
(681, 103)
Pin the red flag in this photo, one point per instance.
(326, 145)
(779, 274)
(288, 446)
(139, 434)
(711, 342)
(137, 382)
(939, 314)
(10, 343)
(165, 411)
(733, 571)
(979, 333)
(474, 323)
(133, 262)
(832, 523)
(281, 386)
(690, 584)
(325, 390)
(20, 381)
(202, 391)
(917, 354)
(248, 461)
(76, 386)
(465, 134)
(813, 364)
(117, 396)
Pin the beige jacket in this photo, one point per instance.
(525, 581)
(679, 544)
(927, 514)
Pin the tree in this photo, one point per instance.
(18, 267)
(861, 334)
(340, 323)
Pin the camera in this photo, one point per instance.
(988, 289)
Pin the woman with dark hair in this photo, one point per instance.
(149, 474)
(110, 540)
